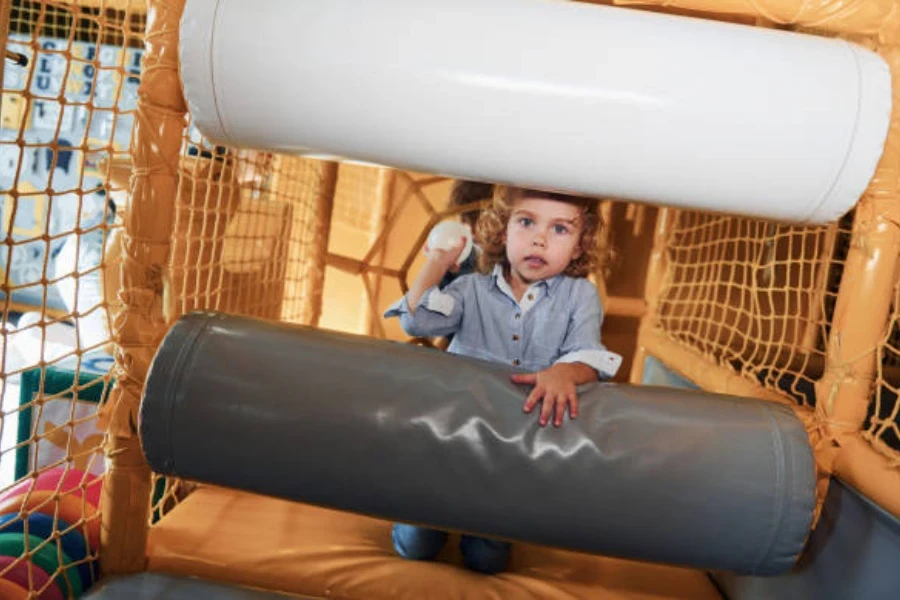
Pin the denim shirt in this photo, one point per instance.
(557, 320)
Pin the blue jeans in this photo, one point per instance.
(479, 554)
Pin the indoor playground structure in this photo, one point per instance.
(209, 204)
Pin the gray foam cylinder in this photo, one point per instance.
(412, 434)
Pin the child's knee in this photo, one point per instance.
(417, 543)
(484, 555)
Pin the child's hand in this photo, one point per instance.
(446, 259)
(556, 386)
(438, 263)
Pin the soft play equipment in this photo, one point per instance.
(594, 100)
(160, 586)
(11, 591)
(71, 543)
(46, 508)
(67, 506)
(303, 549)
(664, 475)
(48, 558)
(64, 480)
(850, 555)
(782, 116)
(21, 573)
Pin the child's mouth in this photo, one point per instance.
(535, 262)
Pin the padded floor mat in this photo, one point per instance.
(250, 540)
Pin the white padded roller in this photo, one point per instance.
(558, 95)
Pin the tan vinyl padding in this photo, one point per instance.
(267, 543)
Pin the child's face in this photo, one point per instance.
(542, 238)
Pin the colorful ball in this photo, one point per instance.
(18, 574)
(72, 543)
(48, 558)
(11, 591)
(67, 507)
(67, 481)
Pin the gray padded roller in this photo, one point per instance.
(415, 435)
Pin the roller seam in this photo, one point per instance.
(212, 72)
(826, 198)
(171, 391)
(779, 491)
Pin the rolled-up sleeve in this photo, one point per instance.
(438, 313)
(582, 342)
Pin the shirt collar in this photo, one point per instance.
(500, 281)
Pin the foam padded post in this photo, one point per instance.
(412, 434)
(596, 100)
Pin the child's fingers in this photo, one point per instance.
(567, 400)
(547, 409)
(532, 399)
(526, 378)
(562, 401)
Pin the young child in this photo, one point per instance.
(530, 307)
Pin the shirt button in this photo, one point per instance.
(515, 338)
(531, 296)
(518, 315)
(516, 362)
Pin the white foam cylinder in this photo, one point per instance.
(587, 99)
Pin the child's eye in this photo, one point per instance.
(560, 229)
(525, 221)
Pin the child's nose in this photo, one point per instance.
(539, 240)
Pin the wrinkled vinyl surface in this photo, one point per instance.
(407, 433)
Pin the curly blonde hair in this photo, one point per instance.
(466, 192)
(490, 230)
